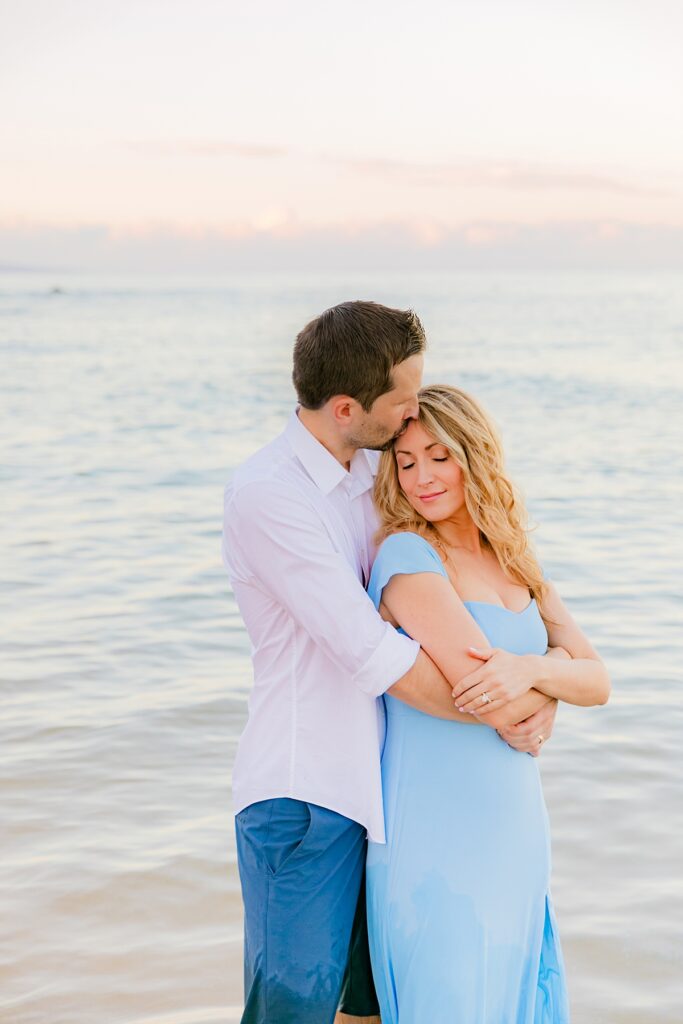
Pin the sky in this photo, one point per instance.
(165, 134)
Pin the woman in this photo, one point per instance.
(462, 929)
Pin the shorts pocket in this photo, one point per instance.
(289, 825)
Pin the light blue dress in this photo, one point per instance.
(461, 924)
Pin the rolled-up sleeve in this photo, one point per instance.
(394, 656)
(274, 539)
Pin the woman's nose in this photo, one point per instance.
(424, 473)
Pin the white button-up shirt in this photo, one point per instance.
(298, 546)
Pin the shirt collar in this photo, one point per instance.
(322, 467)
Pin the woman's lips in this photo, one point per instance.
(431, 497)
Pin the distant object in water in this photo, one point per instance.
(56, 290)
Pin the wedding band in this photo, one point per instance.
(485, 699)
(540, 738)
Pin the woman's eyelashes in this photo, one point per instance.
(409, 465)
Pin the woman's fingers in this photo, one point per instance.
(468, 696)
(472, 700)
(478, 652)
(474, 677)
(468, 684)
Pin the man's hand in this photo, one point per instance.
(530, 735)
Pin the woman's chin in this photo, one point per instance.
(430, 515)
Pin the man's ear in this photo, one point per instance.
(343, 409)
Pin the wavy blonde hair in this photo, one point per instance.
(458, 422)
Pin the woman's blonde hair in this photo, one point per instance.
(459, 423)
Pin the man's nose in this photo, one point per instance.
(413, 411)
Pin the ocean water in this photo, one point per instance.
(125, 404)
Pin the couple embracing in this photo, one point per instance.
(409, 654)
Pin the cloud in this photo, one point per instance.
(380, 247)
(185, 147)
(499, 174)
(462, 174)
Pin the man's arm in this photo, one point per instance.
(426, 688)
(531, 735)
(274, 540)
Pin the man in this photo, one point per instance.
(298, 547)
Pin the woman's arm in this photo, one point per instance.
(427, 607)
(582, 679)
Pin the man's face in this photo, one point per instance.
(393, 410)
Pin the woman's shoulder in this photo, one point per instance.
(403, 553)
(406, 546)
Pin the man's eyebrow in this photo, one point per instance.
(401, 451)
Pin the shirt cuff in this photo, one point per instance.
(394, 656)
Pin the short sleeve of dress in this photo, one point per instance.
(402, 553)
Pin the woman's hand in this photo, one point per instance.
(500, 679)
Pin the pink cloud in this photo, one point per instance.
(494, 174)
(379, 247)
(184, 147)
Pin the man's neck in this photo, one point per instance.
(317, 424)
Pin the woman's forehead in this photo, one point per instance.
(414, 438)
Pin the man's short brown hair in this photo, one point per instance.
(351, 349)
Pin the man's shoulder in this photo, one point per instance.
(261, 464)
(270, 470)
(259, 487)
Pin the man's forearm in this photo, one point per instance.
(425, 688)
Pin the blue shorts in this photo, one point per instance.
(302, 868)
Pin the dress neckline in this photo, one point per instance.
(502, 607)
(483, 604)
